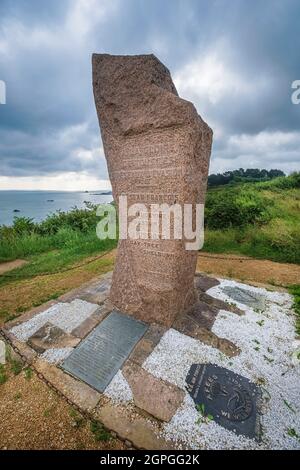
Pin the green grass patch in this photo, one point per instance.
(80, 247)
(78, 419)
(295, 291)
(3, 374)
(16, 366)
(260, 220)
(99, 432)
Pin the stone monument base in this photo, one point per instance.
(195, 385)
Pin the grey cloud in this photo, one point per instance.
(46, 65)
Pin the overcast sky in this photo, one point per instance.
(236, 60)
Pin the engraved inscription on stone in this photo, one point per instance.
(99, 357)
(231, 399)
(157, 149)
(244, 296)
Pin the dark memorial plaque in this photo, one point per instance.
(99, 357)
(244, 296)
(231, 399)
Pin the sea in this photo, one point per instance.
(38, 204)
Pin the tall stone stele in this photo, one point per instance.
(157, 149)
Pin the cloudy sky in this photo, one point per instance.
(235, 59)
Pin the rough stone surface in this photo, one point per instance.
(203, 314)
(29, 354)
(97, 292)
(189, 327)
(204, 282)
(157, 397)
(146, 345)
(132, 427)
(91, 322)
(78, 392)
(220, 304)
(50, 336)
(65, 316)
(157, 149)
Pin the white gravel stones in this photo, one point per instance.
(266, 342)
(118, 389)
(56, 355)
(269, 357)
(66, 316)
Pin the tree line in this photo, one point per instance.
(241, 175)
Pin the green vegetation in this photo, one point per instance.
(78, 420)
(243, 176)
(100, 433)
(261, 220)
(3, 374)
(13, 366)
(28, 373)
(289, 406)
(16, 366)
(203, 416)
(257, 219)
(295, 291)
(61, 240)
(293, 433)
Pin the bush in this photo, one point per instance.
(236, 208)
(23, 225)
(283, 182)
(77, 219)
(72, 230)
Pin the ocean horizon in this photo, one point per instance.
(37, 204)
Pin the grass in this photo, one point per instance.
(260, 220)
(203, 416)
(293, 433)
(18, 296)
(28, 373)
(99, 432)
(295, 291)
(13, 366)
(56, 260)
(78, 419)
(3, 374)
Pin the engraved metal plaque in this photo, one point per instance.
(231, 399)
(99, 357)
(244, 296)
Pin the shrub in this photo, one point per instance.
(236, 208)
(283, 182)
(23, 225)
(77, 219)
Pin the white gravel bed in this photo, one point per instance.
(56, 355)
(66, 316)
(267, 340)
(118, 390)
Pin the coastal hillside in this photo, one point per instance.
(257, 219)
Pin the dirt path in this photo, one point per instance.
(9, 265)
(19, 296)
(248, 269)
(34, 417)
